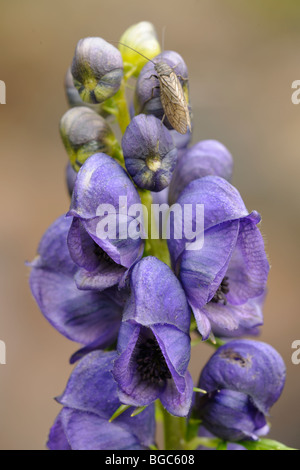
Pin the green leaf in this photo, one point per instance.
(200, 390)
(119, 411)
(264, 444)
(138, 410)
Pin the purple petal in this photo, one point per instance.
(222, 203)
(53, 252)
(90, 387)
(208, 157)
(176, 403)
(82, 316)
(230, 320)
(86, 431)
(231, 416)
(157, 296)
(57, 437)
(201, 271)
(248, 269)
(176, 350)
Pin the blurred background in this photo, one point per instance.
(243, 56)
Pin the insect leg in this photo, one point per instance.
(153, 88)
(182, 78)
(149, 78)
(178, 75)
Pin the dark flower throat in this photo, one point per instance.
(151, 364)
(223, 289)
(102, 255)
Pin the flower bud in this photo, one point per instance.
(147, 92)
(84, 133)
(208, 157)
(97, 69)
(149, 152)
(141, 37)
(244, 379)
(73, 97)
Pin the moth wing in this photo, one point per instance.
(174, 104)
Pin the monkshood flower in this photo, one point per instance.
(104, 196)
(154, 342)
(97, 69)
(225, 279)
(89, 401)
(149, 152)
(244, 379)
(87, 317)
(143, 38)
(84, 133)
(147, 91)
(207, 157)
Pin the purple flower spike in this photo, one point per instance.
(208, 157)
(243, 379)
(147, 93)
(89, 400)
(149, 152)
(154, 341)
(224, 280)
(103, 192)
(87, 317)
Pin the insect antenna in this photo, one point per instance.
(134, 50)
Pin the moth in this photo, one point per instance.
(171, 95)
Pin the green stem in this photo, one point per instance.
(123, 116)
(153, 246)
(174, 431)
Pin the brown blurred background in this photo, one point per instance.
(243, 56)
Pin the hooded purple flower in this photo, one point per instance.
(149, 152)
(97, 69)
(147, 92)
(225, 280)
(208, 157)
(243, 379)
(89, 400)
(102, 199)
(87, 317)
(154, 341)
